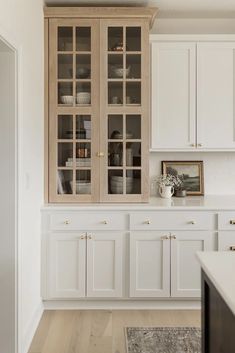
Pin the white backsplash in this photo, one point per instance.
(219, 169)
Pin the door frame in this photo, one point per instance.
(9, 40)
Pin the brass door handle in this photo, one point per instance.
(100, 154)
(232, 221)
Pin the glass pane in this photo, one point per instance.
(65, 154)
(133, 39)
(65, 38)
(133, 93)
(64, 181)
(83, 127)
(115, 93)
(115, 126)
(115, 66)
(83, 39)
(133, 181)
(115, 182)
(83, 182)
(65, 93)
(115, 39)
(133, 154)
(65, 127)
(133, 127)
(83, 93)
(133, 64)
(115, 154)
(83, 66)
(65, 66)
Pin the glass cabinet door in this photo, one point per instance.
(73, 72)
(126, 122)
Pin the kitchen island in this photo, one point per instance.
(218, 301)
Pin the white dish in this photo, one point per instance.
(83, 98)
(82, 187)
(67, 99)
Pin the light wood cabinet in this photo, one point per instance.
(193, 93)
(97, 104)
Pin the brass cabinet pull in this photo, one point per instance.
(100, 154)
(232, 248)
(165, 237)
(232, 221)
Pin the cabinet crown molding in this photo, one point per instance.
(147, 13)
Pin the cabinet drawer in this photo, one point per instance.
(171, 221)
(88, 221)
(226, 241)
(226, 221)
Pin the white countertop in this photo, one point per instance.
(220, 268)
(209, 202)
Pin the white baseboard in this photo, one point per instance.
(122, 305)
(31, 328)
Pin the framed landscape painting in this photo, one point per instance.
(190, 172)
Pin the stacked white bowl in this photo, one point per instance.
(116, 183)
(83, 98)
(82, 186)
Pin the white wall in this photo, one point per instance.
(23, 22)
(219, 168)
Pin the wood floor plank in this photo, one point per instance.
(100, 331)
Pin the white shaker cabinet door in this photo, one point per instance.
(185, 268)
(215, 95)
(173, 95)
(104, 264)
(149, 264)
(67, 265)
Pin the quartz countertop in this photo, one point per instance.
(220, 268)
(208, 202)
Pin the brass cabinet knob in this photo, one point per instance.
(173, 237)
(232, 221)
(100, 154)
(104, 222)
(66, 222)
(192, 145)
(165, 237)
(147, 222)
(83, 236)
(199, 145)
(89, 236)
(232, 248)
(192, 222)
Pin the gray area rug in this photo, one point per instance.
(163, 339)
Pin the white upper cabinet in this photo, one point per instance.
(173, 95)
(215, 95)
(193, 94)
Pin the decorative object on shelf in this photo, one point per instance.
(116, 184)
(83, 98)
(83, 72)
(67, 99)
(166, 184)
(117, 47)
(119, 71)
(116, 100)
(190, 172)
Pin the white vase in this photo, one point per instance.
(166, 191)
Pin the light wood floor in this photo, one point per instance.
(100, 331)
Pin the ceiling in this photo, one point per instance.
(167, 8)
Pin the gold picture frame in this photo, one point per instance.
(192, 173)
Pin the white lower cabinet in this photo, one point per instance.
(149, 265)
(163, 265)
(185, 268)
(66, 265)
(85, 265)
(104, 264)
